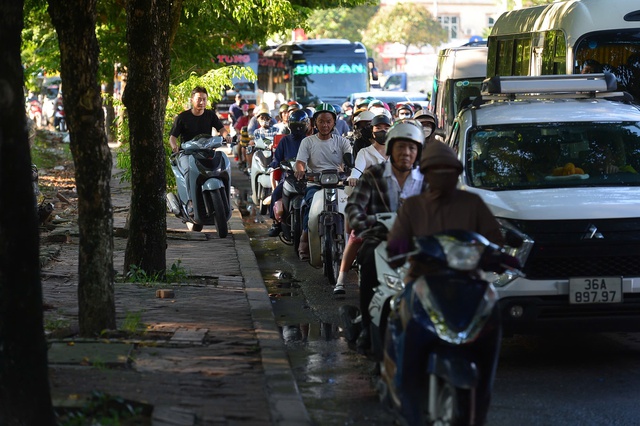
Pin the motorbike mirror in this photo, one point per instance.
(347, 158)
(513, 238)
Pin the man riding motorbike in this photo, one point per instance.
(321, 151)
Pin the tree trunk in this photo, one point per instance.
(149, 33)
(74, 21)
(24, 383)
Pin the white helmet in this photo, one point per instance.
(363, 116)
(406, 130)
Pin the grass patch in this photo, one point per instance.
(175, 274)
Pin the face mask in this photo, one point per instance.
(442, 182)
(380, 136)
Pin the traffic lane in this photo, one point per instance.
(568, 379)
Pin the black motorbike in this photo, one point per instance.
(292, 197)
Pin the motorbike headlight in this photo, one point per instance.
(329, 179)
(521, 253)
(395, 281)
(461, 255)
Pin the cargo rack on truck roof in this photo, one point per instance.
(601, 85)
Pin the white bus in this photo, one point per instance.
(560, 38)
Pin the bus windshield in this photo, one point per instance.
(327, 78)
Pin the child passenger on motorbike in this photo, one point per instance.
(444, 207)
(383, 188)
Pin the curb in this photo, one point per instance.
(283, 395)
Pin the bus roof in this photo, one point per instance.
(575, 17)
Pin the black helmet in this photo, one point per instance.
(298, 122)
(380, 119)
(405, 130)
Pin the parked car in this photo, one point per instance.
(557, 159)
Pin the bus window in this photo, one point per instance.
(522, 56)
(505, 55)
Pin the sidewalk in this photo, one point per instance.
(210, 355)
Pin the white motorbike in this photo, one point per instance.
(327, 231)
(261, 173)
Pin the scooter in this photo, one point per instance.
(327, 230)
(59, 120)
(443, 335)
(292, 197)
(203, 180)
(34, 108)
(261, 173)
(390, 282)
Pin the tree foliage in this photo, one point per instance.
(406, 23)
(341, 22)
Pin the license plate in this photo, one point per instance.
(585, 290)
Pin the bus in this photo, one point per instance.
(314, 71)
(561, 37)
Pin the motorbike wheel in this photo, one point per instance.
(331, 257)
(296, 229)
(194, 227)
(262, 194)
(63, 125)
(219, 211)
(452, 405)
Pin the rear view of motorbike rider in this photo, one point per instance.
(299, 125)
(444, 207)
(383, 188)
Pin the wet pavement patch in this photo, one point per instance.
(90, 353)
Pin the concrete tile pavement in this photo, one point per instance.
(211, 355)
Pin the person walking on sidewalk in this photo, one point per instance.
(195, 121)
(383, 188)
(321, 151)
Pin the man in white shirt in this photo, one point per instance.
(321, 151)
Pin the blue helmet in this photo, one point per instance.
(298, 122)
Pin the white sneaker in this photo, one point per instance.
(339, 289)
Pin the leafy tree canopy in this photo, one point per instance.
(341, 22)
(405, 23)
